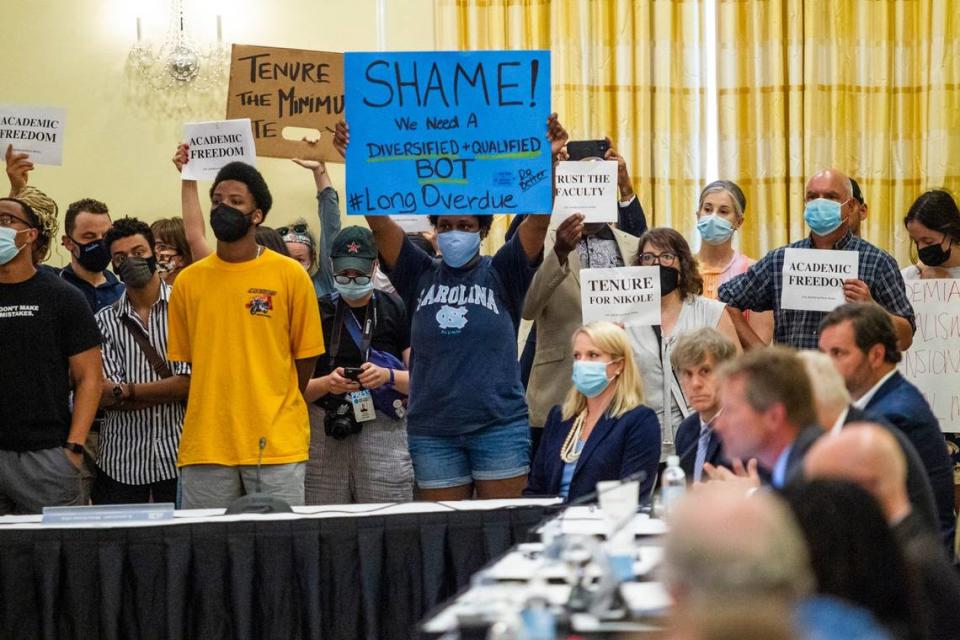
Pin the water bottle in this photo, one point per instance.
(673, 484)
(539, 623)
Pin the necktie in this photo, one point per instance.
(701, 458)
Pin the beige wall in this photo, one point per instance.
(119, 138)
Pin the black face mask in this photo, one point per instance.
(93, 256)
(669, 279)
(136, 272)
(934, 255)
(229, 224)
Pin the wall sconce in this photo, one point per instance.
(178, 62)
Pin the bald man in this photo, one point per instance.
(869, 455)
(829, 207)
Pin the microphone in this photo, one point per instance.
(258, 502)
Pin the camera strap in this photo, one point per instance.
(361, 336)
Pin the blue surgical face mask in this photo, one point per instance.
(714, 229)
(590, 377)
(823, 216)
(353, 291)
(8, 244)
(458, 247)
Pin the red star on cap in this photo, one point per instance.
(353, 247)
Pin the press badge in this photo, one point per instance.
(362, 402)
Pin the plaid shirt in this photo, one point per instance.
(760, 289)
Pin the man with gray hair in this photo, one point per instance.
(695, 358)
(834, 412)
(829, 206)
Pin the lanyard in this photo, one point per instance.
(369, 320)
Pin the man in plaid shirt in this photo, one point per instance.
(760, 288)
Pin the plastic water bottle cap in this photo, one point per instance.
(673, 461)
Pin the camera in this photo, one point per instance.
(338, 420)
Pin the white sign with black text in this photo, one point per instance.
(626, 295)
(36, 131)
(813, 278)
(215, 144)
(587, 187)
(932, 362)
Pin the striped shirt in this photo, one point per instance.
(138, 447)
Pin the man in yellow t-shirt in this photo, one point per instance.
(247, 320)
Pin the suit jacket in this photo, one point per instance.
(918, 486)
(688, 435)
(801, 444)
(616, 448)
(553, 302)
(902, 404)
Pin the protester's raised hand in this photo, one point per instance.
(18, 166)
(341, 137)
(624, 184)
(568, 235)
(313, 165)
(556, 134)
(182, 156)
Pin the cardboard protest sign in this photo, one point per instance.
(285, 92)
(628, 295)
(932, 362)
(813, 278)
(214, 144)
(448, 132)
(37, 131)
(589, 188)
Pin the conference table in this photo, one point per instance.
(353, 571)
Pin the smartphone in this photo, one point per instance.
(583, 149)
(352, 373)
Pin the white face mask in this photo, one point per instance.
(8, 244)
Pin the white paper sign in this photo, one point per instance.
(589, 188)
(813, 278)
(628, 295)
(37, 131)
(413, 224)
(933, 360)
(215, 144)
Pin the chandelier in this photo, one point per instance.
(179, 63)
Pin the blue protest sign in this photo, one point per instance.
(448, 132)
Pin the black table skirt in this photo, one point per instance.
(368, 577)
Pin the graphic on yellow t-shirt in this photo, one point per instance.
(243, 326)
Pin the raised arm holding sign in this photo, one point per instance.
(448, 132)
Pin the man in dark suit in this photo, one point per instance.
(862, 342)
(834, 412)
(695, 359)
(870, 456)
(774, 422)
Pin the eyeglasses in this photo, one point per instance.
(361, 280)
(7, 219)
(667, 259)
(297, 228)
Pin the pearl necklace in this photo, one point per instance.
(568, 452)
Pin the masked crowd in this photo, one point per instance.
(373, 365)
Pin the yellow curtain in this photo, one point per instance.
(629, 70)
(871, 88)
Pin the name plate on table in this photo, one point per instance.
(109, 513)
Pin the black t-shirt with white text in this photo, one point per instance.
(43, 322)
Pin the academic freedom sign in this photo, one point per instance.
(448, 132)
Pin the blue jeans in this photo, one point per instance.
(492, 453)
